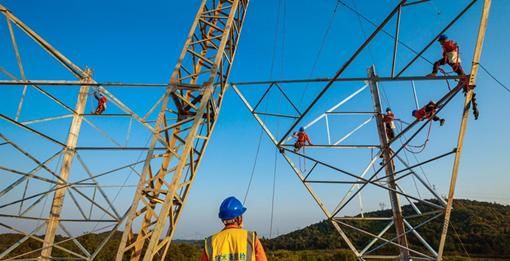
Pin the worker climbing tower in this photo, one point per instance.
(85, 162)
(71, 169)
(337, 166)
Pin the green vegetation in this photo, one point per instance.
(312, 255)
(483, 228)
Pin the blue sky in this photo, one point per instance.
(130, 41)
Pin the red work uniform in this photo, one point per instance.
(389, 124)
(302, 139)
(420, 114)
(451, 57)
(427, 112)
(388, 119)
(101, 103)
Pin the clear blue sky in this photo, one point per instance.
(133, 41)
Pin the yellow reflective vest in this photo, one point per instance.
(232, 244)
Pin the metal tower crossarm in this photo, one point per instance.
(407, 240)
(206, 59)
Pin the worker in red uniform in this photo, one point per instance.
(233, 243)
(451, 56)
(389, 123)
(301, 139)
(428, 112)
(101, 103)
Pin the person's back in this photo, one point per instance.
(302, 137)
(389, 118)
(233, 242)
(449, 46)
(420, 114)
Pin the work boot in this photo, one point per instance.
(441, 122)
(431, 75)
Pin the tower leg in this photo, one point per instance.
(389, 168)
(67, 161)
(463, 124)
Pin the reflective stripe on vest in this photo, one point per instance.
(231, 244)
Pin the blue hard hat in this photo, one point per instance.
(414, 112)
(442, 37)
(231, 208)
(302, 129)
(388, 109)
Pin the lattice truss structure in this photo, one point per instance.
(352, 163)
(64, 168)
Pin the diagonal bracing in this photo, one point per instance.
(398, 237)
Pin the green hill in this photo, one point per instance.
(483, 228)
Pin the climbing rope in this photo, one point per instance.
(370, 52)
(275, 39)
(321, 48)
(274, 192)
(446, 80)
(420, 148)
(375, 25)
(254, 166)
(302, 162)
(412, 176)
(281, 6)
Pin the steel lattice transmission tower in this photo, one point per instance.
(178, 126)
(394, 234)
(71, 174)
(205, 63)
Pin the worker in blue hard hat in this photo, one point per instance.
(233, 242)
(428, 112)
(451, 56)
(301, 139)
